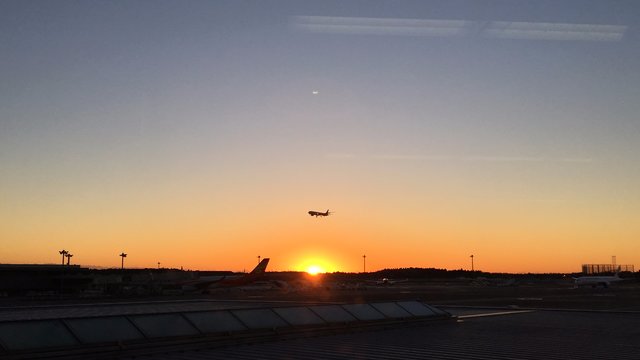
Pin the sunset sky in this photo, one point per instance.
(199, 133)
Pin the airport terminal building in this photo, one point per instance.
(605, 268)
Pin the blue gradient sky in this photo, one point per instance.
(189, 133)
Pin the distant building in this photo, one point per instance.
(23, 278)
(605, 268)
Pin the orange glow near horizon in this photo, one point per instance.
(530, 242)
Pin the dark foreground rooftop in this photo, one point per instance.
(130, 329)
(512, 335)
(544, 320)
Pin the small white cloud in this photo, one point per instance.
(411, 157)
(576, 160)
(504, 158)
(478, 158)
(458, 28)
(341, 156)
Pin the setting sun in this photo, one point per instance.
(314, 270)
(313, 261)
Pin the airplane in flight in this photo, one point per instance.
(595, 281)
(207, 282)
(319, 213)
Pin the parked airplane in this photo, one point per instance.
(319, 213)
(206, 282)
(595, 281)
(386, 281)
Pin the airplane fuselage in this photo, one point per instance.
(594, 281)
(206, 282)
(318, 213)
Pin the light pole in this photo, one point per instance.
(364, 263)
(158, 265)
(471, 262)
(258, 259)
(123, 255)
(69, 256)
(63, 252)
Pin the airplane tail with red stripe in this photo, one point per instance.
(261, 268)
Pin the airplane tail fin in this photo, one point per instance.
(261, 268)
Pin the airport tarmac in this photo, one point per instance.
(622, 297)
(547, 295)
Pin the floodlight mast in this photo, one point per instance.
(63, 252)
(122, 255)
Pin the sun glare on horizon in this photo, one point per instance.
(313, 262)
(315, 270)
